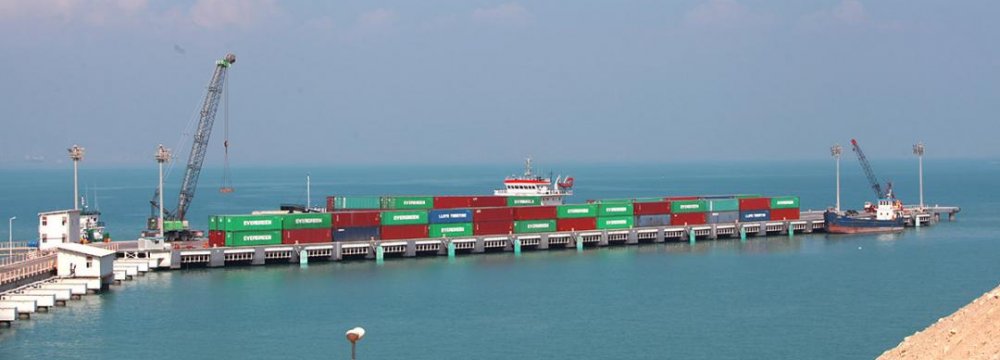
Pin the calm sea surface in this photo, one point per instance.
(809, 297)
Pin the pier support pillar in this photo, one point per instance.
(633, 237)
(543, 243)
(714, 235)
(451, 250)
(379, 254)
(604, 239)
(743, 234)
(303, 257)
(916, 221)
(791, 230)
(661, 235)
(691, 236)
(517, 247)
(216, 259)
(579, 243)
(480, 246)
(258, 256)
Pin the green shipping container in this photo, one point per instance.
(524, 201)
(785, 202)
(411, 217)
(614, 201)
(576, 211)
(407, 202)
(251, 238)
(688, 206)
(250, 222)
(534, 226)
(721, 205)
(615, 210)
(450, 230)
(306, 221)
(213, 223)
(357, 202)
(615, 222)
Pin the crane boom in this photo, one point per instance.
(867, 167)
(200, 144)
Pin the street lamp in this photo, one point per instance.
(162, 156)
(836, 150)
(918, 150)
(354, 335)
(76, 154)
(10, 236)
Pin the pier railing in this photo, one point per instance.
(33, 264)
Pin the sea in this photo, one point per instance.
(811, 296)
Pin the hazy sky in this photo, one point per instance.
(470, 81)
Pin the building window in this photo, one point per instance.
(64, 220)
(45, 221)
(90, 261)
(63, 237)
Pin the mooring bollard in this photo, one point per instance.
(517, 247)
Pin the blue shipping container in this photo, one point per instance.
(449, 216)
(356, 233)
(755, 215)
(652, 220)
(722, 217)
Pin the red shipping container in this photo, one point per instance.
(306, 236)
(534, 212)
(761, 203)
(668, 198)
(651, 208)
(493, 214)
(784, 214)
(329, 203)
(396, 232)
(489, 201)
(357, 218)
(216, 238)
(576, 224)
(688, 219)
(493, 228)
(452, 202)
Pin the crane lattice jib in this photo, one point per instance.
(868, 170)
(201, 136)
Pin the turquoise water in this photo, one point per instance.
(808, 297)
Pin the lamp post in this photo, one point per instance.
(10, 236)
(918, 150)
(354, 335)
(836, 150)
(162, 156)
(76, 154)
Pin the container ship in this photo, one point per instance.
(526, 204)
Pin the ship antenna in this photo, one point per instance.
(527, 167)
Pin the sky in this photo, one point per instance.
(476, 81)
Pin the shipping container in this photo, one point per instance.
(687, 219)
(688, 206)
(250, 223)
(647, 200)
(615, 222)
(611, 201)
(576, 211)
(534, 212)
(576, 224)
(356, 202)
(619, 209)
(396, 232)
(651, 208)
(213, 222)
(452, 202)
(493, 227)
(365, 233)
(404, 217)
(747, 196)
(785, 202)
(758, 203)
(449, 230)
(253, 238)
(216, 238)
(723, 205)
(493, 214)
(407, 202)
(652, 220)
(449, 216)
(534, 226)
(330, 200)
(306, 221)
(357, 219)
(755, 215)
(524, 200)
(717, 197)
(785, 214)
(682, 198)
(306, 236)
(722, 217)
(489, 201)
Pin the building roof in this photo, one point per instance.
(57, 212)
(84, 249)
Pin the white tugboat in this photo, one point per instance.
(530, 185)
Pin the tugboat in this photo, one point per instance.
(887, 216)
(529, 185)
